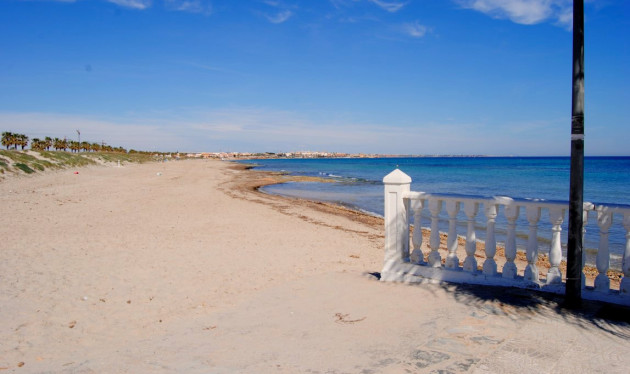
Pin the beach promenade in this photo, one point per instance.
(181, 267)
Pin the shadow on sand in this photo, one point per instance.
(525, 303)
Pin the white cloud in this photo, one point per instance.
(190, 6)
(134, 4)
(248, 129)
(415, 29)
(390, 6)
(280, 17)
(282, 11)
(565, 17)
(526, 12)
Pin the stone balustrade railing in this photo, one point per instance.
(413, 265)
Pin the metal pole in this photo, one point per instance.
(573, 294)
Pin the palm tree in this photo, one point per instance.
(48, 142)
(74, 145)
(85, 146)
(95, 147)
(57, 144)
(37, 144)
(21, 140)
(7, 139)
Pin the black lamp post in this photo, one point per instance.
(573, 293)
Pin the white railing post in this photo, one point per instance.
(604, 220)
(624, 288)
(509, 269)
(471, 209)
(554, 275)
(397, 184)
(435, 206)
(452, 208)
(533, 216)
(417, 257)
(490, 265)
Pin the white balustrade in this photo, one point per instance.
(624, 288)
(490, 265)
(509, 269)
(554, 276)
(452, 208)
(587, 207)
(401, 203)
(435, 206)
(533, 216)
(417, 257)
(471, 209)
(604, 220)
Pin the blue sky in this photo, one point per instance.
(377, 76)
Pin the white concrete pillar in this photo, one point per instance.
(397, 184)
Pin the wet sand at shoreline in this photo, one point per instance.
(193, 271)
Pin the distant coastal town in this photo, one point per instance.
(303, 154)
(12, 141)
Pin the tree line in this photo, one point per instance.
(13, 141)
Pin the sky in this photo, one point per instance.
(489, 77)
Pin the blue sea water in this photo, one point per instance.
(358, 183)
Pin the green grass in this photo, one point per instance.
(18, 161)
(67, 159)
(122, 157)
(24, 168)
(17, 156)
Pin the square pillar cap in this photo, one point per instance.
(397, 177)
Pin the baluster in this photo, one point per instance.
(470, 263)
(417, 257)
(533, 216)
(624, 289)
(452, 208)
(509, 269)
(554, 275)
(584, 223)
(435, 206)
(604, 220)
(490, 265)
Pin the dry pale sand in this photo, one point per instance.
(122, 270)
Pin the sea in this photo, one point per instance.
(357, 183)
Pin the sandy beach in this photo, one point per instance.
(182, 267)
